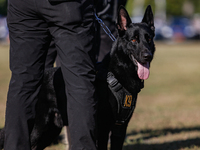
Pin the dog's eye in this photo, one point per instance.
(133, 40)
(149, 40)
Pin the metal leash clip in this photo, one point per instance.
(105, 28)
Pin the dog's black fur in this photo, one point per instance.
(133, 46)
(51, 104)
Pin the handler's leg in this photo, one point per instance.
(72, 30)
(28, 47)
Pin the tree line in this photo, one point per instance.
(3, 7)
(173, 7)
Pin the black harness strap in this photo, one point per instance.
(125, 100)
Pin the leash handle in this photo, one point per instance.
(105, 28)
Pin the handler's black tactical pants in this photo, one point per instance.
(31, 24)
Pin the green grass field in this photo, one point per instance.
(167, 116)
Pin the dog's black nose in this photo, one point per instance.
(147, 56)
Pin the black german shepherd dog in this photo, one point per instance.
(120, 77)
(127, 66)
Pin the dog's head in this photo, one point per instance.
(137, 39)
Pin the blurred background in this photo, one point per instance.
(167, 116)
(175, 20)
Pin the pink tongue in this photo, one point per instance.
(143, 71)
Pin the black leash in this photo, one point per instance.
(105, 28)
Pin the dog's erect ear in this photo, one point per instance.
(123, 20)
(148, 18)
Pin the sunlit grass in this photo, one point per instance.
(4, 79)
(169, 102)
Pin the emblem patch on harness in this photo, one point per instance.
(128, 101)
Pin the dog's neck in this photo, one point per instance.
(124, 70)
